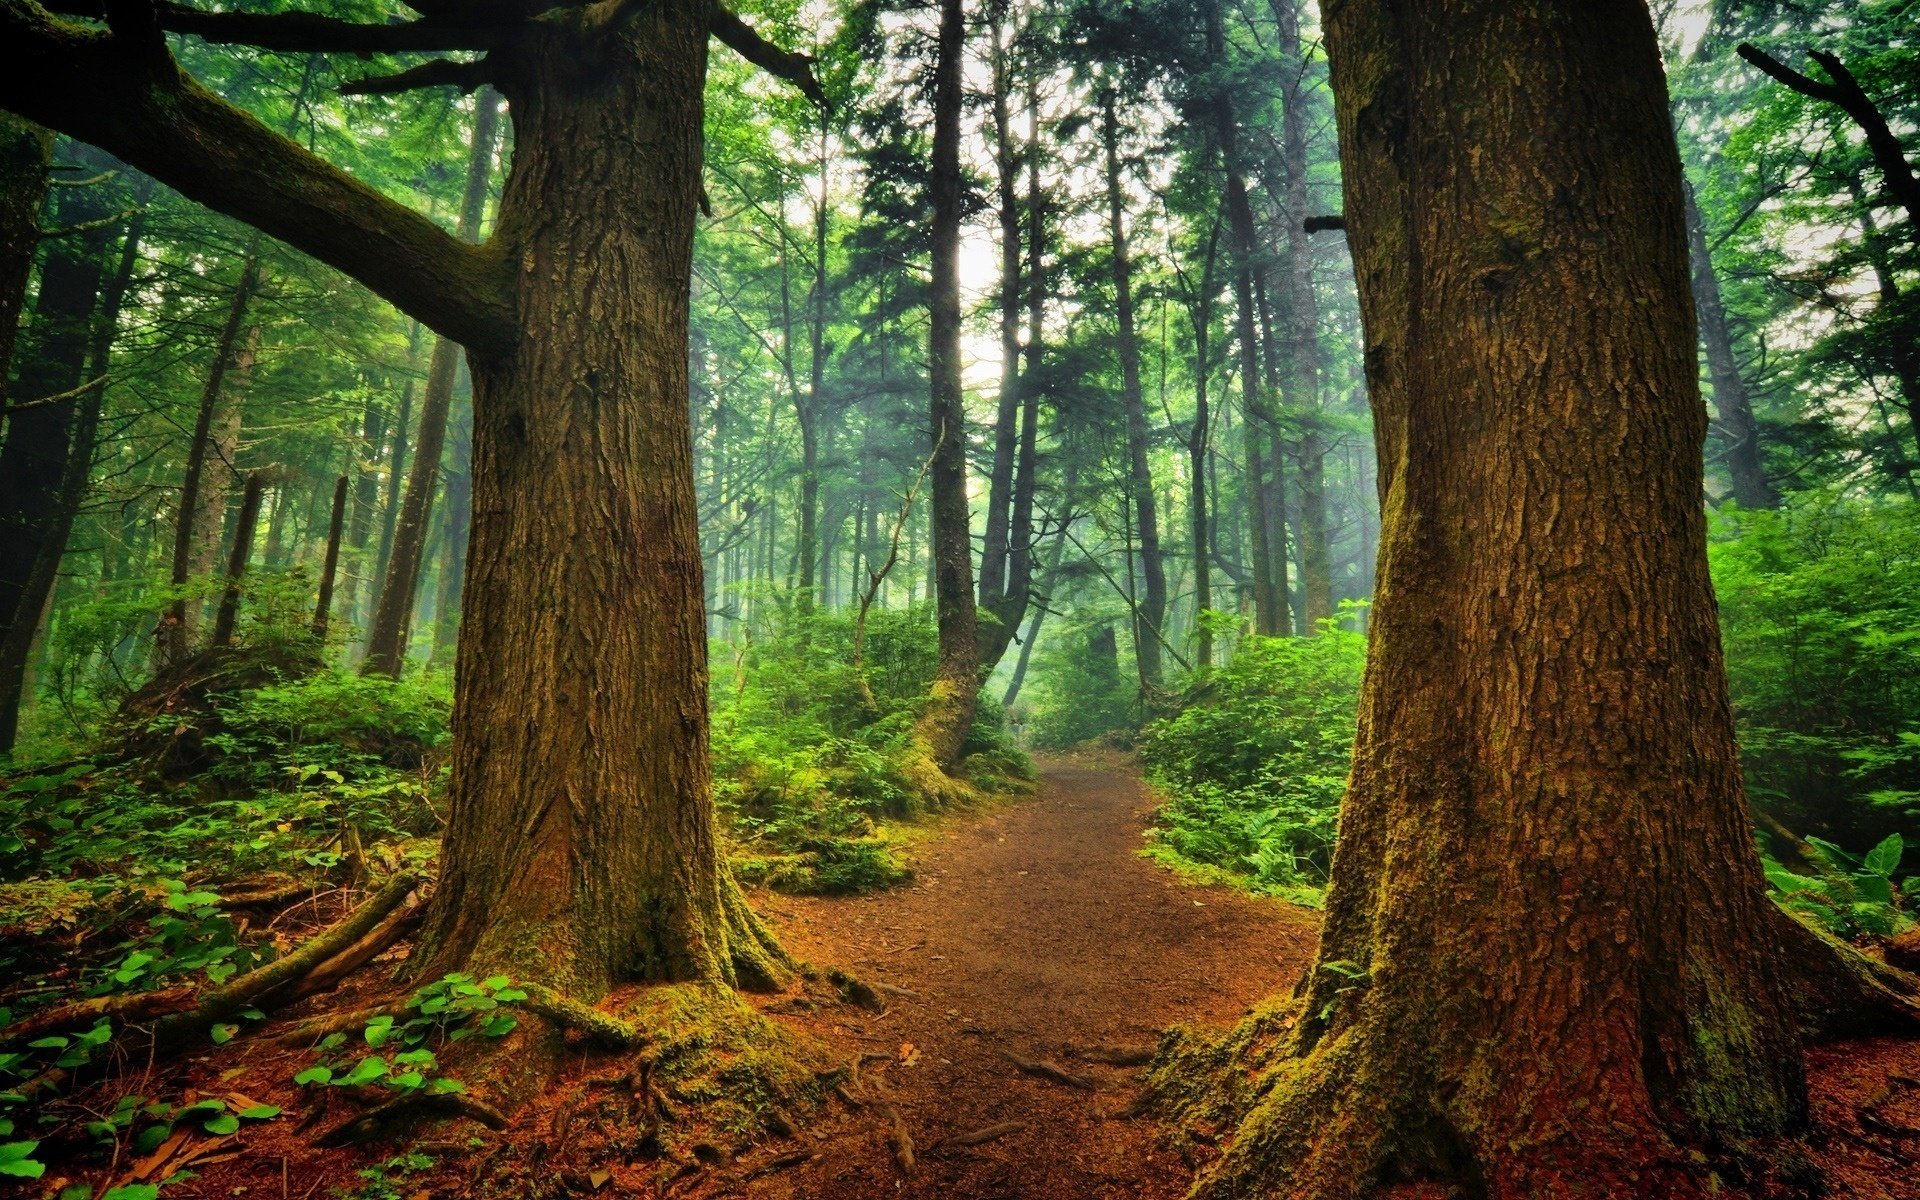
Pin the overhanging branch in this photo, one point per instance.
(441, 72)
(796, 69)
(138, 105)
(302, 31)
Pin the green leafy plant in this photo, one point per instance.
(1848, 896)
(450, 1009)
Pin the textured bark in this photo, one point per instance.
(1548, 962)
(581, 847)
(1739, 432)
(1150, 615)
(53, 360)
(17, 641)
(24, 153)
(948, 715)
(399, 587)
(202, 485)
(366, 498)
(1200, 312)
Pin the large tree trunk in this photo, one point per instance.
(1739, 432)
(1547, 967)
(18, 639)
(25, 149)
(52, 362)
(943, 725)
(581, 849)
(399, 588)
(1150, 615)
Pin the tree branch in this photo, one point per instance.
(138, 105)
(1846, 93)
(303, 31)
(796, 69)
(440, 72)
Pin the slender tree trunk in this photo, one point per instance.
(943, 725)
(396, 470)
(1197, 499)
(18, 640)
(366, 497)
(244, 525)
(1006, 431)
(458, 497)
(1546, 968)
(174, 638)
(1150, 617)
(25, 150)
(336, 529)
(399, 588)
(1300, 384)
(1739, 432)
(581, 849)
(1269, 549)
(1895, 309)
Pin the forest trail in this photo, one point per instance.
(1036, 930)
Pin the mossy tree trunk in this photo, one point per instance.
(581, 850)
(943, 725)
(1548, 963)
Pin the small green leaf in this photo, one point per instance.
(1884, 859)
(133, 1191)
(222, 1034)
(314, 1075)
(501, 1026)
(222, 1125)
(259, 1112)
(367, 1071)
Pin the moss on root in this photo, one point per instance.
(1206, 1080)
(728, 1070)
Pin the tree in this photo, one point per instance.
(1740, 433)
(580, 849)
(393, 610)
(1548, 963)
(943, 726)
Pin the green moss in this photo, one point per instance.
(731, 1071)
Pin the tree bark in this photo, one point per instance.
(40, 438)
(1739, 432)
(17, 641)
(399, 589)
(581, 847)
(1150, 617)
(1548, 962)
(244, 524)
(943, 725)
(25, 150)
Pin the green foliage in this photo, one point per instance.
(1848, 896)
(450, 1009)
(1255, 762)
(1080, 691)
(806, 764)
(1820, 615)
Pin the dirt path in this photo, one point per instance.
(1035, 930)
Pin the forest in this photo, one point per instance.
(1043, 599)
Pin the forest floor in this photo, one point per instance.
(1036, 931)
(1033, 933)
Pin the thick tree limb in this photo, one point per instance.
(440, 72)
(302, 31)
(99, 88)
(796, 69)
(1845, 92)
(1321, 224)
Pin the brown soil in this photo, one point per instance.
(1036, 930)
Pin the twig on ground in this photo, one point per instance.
(1047, 1070)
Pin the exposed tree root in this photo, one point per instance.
(929, 786)
(980, 1137)
(569, 1013)
(415, 1105)
(264, 986)
(376, 941)
(137, 1006)
(302, 1033)
(1837, 991)
(1047, 1070)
